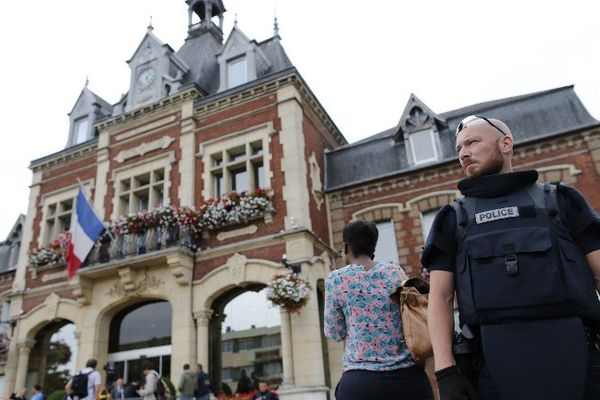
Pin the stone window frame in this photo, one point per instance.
(422, 204)
(244, 138)
(55, 198)
(165, 160)
(434, 144)
(393, 212)
(564, 173)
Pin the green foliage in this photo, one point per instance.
(59, 354)
(57, 395)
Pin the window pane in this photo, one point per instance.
(237, 154)
(426, 222)
(423, 146)
(49, 231)
(138, 327)
(236, 72)
(142, 202)
(218, 185)
(387, 248)
(257, 148)
(239, 180)
(81, 130)
(65, 223)
(259, 175)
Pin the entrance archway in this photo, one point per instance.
(140, 332)
(52, 360)
(245, 338)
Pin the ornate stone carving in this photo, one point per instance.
(315, 177)
(82, 289)
(127, 278)
(417, 117)
(146, 283)
(237, 268)
(181, 268)
(203, 317)
(144, 148)
(248, 230)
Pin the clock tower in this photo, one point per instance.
(156, 72)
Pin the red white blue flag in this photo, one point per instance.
(83, 234)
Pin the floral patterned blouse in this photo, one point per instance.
(358, 309)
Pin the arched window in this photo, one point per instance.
(141, 326)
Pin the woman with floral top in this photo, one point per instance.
(359, 311)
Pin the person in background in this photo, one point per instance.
(359, 311)
(118, 391)
(202, 384)
(263, 392)
(93, 380)
(148, 392)
(20, 395)
(187, 383)
(38, 394)
(244, 385)
(131, 390)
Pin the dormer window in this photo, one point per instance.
(81, 130)
(237, 72)
(423, 146)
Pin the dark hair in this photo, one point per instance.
(186, 366)
(91, 363)
(361, 237)
(148, 365)
(37, 387)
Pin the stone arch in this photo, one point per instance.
(218, 288)
(237, 272)
(104, 317)
(53, 308)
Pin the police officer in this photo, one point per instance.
(524, 261)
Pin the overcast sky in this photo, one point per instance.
(361, 59)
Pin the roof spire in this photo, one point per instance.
(87, 81)
(275, 27)
(235, 22)
(150, 27)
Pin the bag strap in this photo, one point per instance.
(464, 209)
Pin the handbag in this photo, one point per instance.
(413, 310)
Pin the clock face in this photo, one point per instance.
(146, 78)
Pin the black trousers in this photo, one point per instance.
(488, 390)
(402, 384)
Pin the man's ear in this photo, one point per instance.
(505, 144)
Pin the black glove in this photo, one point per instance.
(454, 386)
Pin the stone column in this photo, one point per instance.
(24, 349)
(287, 356)
(202, 322)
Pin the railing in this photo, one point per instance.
(131, 244)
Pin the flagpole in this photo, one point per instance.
(112, 237)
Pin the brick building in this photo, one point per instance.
(228, 115)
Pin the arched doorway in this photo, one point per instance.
(140, 333)
(245, 338)
(53, 356)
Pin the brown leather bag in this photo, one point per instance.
(413, 310)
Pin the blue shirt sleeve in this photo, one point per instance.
(334, 319)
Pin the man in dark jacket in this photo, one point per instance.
(202, 384)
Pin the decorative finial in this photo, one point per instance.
(150, 27)
(275, 28)
(235, 22)
(87, 81)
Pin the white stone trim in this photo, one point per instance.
(164, 160)
(398, 206)
(207, 149)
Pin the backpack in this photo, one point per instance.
(79, 386)
(161, 389)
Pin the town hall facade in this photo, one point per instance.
(223, 115)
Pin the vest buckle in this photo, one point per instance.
(511, 263)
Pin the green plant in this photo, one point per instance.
(57, 395)
(170, 386)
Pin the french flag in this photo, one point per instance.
(83, 234)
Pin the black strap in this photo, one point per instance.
(464, 209)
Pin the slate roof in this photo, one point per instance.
(5, 247)
(531, 117)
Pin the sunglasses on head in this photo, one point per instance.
(463, 124)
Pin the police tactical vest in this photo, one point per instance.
(517, 260)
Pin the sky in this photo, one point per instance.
(361, 62)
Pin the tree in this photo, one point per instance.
(59, 354)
